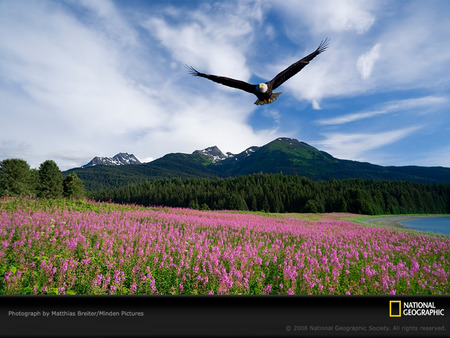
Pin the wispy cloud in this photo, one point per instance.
(107, 18)
(274, 114)
(86, 83)
(83, 78)
(71, 78)
(356, 145)
(426, 103)
(369, 50)
(325, 17)
(366, 61)
(199, 36)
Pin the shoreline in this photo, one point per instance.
(394, 221)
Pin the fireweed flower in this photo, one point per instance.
(121, 249)
(267, 289)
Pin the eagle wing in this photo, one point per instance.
(224, 80)
(293, 69)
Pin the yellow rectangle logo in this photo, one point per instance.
(395, 308)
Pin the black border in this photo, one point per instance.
(218, 316)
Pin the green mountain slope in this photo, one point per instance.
(171, 165)
(283, 155)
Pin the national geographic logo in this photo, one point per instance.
(397, 308)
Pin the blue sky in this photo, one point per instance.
(85, 78)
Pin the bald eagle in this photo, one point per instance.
(263, 91)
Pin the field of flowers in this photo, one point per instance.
(89, 248)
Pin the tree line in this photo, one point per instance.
(286, 193)
(255, 192)
(17, 179)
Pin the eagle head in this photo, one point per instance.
(262, 88)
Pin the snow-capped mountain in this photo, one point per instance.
(213, 153)
(246, 153)
(118, 159)
(283, 155)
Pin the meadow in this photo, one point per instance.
(90, 248)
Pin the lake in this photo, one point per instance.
(439, 225)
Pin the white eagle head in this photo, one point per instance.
(262, 88)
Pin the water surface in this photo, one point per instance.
(439, 225)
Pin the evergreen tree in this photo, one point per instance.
(312, 206)
(193, 204)
(73, 187)
(280, 193)
(15, 178)
(253, 203)
(236, 202)
(266, 205)
(34, 180)
(50, 180)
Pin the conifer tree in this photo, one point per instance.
(50, 180)
(278, 193)
(15, 178)
(73, 187)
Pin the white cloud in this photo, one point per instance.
(79, 79)
(347, 16)
(146, 159)
(111, 21)
(411, 49)
(366, 61)
(327, 17)
(355, 145)
(80, 87)
(273, 114)
(425, 104)
(68, 77)
(326, 76)
(415, 48)
(208, 37)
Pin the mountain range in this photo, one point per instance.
(118, 159)
(283, 155)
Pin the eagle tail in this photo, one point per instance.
(323, 45)
(269, 100)
(192, 70)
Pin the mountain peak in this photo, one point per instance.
(118, 159)
(291, 144)
(125, 158)
(213, 153)
(246, 153)
(286, 139)
(283, 155)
